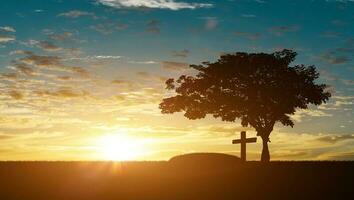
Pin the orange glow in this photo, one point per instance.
(118, 147)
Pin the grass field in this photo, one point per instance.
(176, 180)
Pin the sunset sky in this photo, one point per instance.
(82, 80)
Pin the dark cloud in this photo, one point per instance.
(175, 66)
(248, 16)
(50, 62)
(79, 70)
(210, 23)
(143, 74)
(61, 37)
(76, 14)
(151, 77)
(281, 30)
(9, 76)
(23, 68)
(109, 27)
(48, 46)
(184, 53)
(120, 81)
(330, 34)
(341, 156)
(335, 138)
(250, 36)
(5, 137)
(153, 26)
(337, 22)
(16, 94)
(332, 58)
(347, 48)
(64, 78)
(63, 93)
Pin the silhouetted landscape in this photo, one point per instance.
(176, 99)
(190, 177)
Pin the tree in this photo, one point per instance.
(260, 89)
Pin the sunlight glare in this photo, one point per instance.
(117, 147)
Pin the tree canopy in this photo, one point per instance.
(260, 89)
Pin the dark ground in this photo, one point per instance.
(176, 180)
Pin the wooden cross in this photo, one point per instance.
(243, 142)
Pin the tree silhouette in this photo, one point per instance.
(260, 89)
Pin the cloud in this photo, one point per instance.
(175, 66)
(120, 81)
(42, 61)
(63, 93)
(109, 27)
(156, 4)
(153, 26)
(7, 29)
(330, 34)
(250, 36)
(343, 100)
(281, 30)
(5, 38)
(148, 62)
(210, 23)
(95, 57)
(61, 37)
(76, 14)
(16, 94)
(8, 76)
(332, 58)
(184, 53)
(340, 156)
(5, 137)
(45, 45)
(248, 16)
(23, 68)
(49, 62)
(335, 138)
(302, 113)
(337, 22)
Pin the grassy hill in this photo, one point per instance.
(180, 178)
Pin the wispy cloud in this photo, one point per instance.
(335, 138)
(95, 57)
(5, 38)
(45, 45)
(174, 66)
(210, 23)
(153, 26)
(250, 36)
(157, 4)
(61, 36)
(332, 58)
(301, 113)
(76, 14)
(7, 29)
(248, 16)
(184, 53)
(281, 30)
(109, 27)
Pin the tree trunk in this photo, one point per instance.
(265, 151)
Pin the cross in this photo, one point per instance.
(243, 142)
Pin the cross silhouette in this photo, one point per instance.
(243, 142)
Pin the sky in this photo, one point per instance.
(82, 79)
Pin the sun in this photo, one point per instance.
(118, 147)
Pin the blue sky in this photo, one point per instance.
(61, 52)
